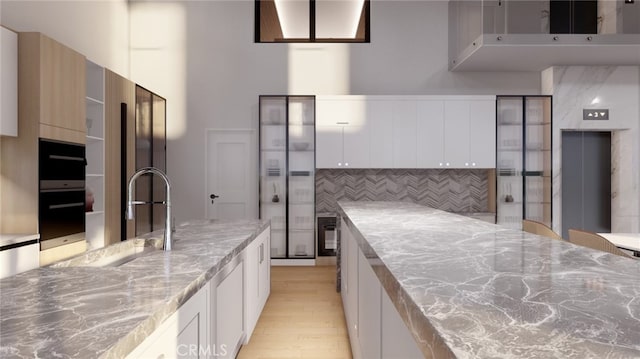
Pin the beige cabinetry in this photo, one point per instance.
(8, 82)
(54, 78)
(110, 103)
(119, 105)
(51, 104)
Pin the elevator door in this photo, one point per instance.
(586, 181)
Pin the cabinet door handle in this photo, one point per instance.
(339, 164)
(346, 164)
(261, 253)
(342, 123)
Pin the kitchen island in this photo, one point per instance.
(470, 289)
(75, 310)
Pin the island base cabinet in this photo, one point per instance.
(182, 335)
(18, 260)
(257, 284)
(376, 329)
(227, 319)
(369, 311)
(397, 341)
(349, 287)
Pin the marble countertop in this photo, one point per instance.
(88, 312)
(471, 289)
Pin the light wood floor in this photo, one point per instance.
(303, 317)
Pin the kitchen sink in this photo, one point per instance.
(122, 257)
(114, 255)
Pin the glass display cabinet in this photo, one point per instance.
(523, 159)
(287, 177)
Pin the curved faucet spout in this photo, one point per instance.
(129, 214)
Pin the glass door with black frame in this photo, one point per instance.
(273, 168)
(301, 177)
(287, 174)
(150, 151)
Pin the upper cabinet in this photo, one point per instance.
(342, 137)
(404, 139)
(406, 132)
(52, 79)
(470, 133)
(430, 130)
(8, 82)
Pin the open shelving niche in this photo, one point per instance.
(95, 220)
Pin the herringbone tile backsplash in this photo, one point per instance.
(449, 190)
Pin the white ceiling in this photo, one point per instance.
(540, 51)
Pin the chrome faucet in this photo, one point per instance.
(130, 202)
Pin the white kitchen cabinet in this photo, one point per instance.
(369, 310)
(380, 125)
(470, 133)
(404, 134)
(227, 324)
(482, 128)
(456, 133)
(430, 131)
(355, 151)
(349, 283)
(342, 146)
(183, 335)
(8, 83)
(342, 137)
(397, 341)
(19, 259)
(376, 329)
(257, 284)
(213, 323)
(329, 146)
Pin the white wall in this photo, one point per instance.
(222, 71)
(200, 55)
(99, 29)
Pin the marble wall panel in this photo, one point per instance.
(616, 88)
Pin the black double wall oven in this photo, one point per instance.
(62, 193)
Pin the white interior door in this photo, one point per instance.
(230, 175)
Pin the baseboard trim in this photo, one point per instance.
(293, 262)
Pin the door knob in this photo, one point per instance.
(213, 197)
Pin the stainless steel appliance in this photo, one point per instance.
(62, 193)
